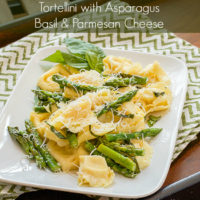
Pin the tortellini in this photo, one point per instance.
(46, 83)
(67, 157)
(155, 73)
(79, 114)
(38, 120)
(115, 65)
(143, 161)
(91, 77)
(94, 172)
(136, 123)
(154, 97)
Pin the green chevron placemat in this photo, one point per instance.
(14, 58)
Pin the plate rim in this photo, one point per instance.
(159, 185)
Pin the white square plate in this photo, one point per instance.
(14, 168)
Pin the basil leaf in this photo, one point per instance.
(75, 62)
(94, 61)
(152, 120)
(69, 59)
(56, 57)
(82, 55)
(93, 54)
(79, 47)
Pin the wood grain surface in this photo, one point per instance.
(193, 38)
(186, 164)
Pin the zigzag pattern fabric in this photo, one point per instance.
(14, 58)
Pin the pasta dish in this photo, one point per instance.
(94, 114)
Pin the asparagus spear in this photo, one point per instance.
(50, 96)
(27, 145)
(130, 154)
(117, 157)
(44, 98)
(71, 137)
(116, 167)
(37, 141)
(14, 132)
(39, 109)
(38, 157)
(121, 170)
(152, 120)
(114, 105)
(57, 133)
(123, 82)
(128, 149)
(150, 132)
(137, 170)
(79, 87)
(123, 75)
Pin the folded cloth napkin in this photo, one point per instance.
(14, 58)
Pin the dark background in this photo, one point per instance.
(191, 193)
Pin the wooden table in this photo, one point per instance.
(188, 162)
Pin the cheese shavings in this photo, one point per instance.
(91, 77)
(79, 113)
